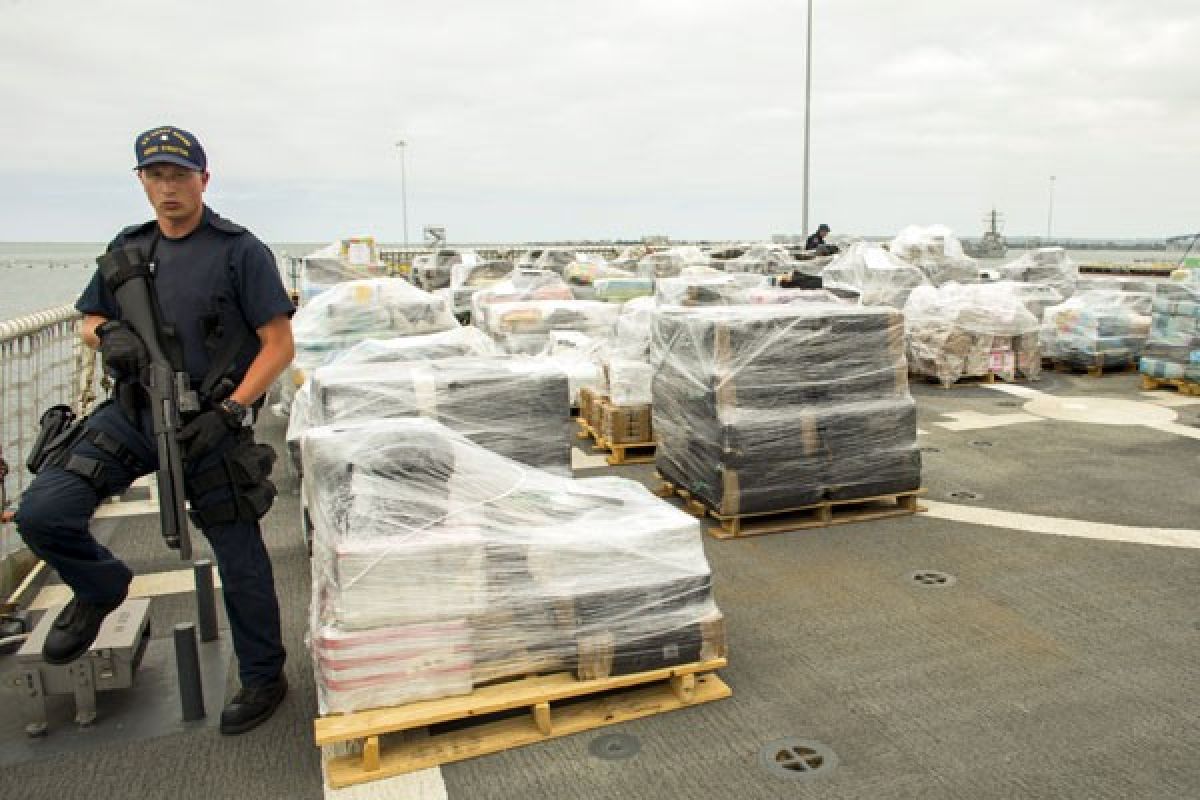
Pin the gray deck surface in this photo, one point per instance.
(1056, 667)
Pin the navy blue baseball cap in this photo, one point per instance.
(169, 145)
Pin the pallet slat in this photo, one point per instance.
(815, 515)
(637, 695)
(494, 737)
(1185, 387)
(525, 692)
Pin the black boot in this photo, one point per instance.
(251, 707)
(75, 629)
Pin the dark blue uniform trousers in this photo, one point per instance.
(57, 506)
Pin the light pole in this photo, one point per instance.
(403, 145)
(807, 114)
(1050, 211)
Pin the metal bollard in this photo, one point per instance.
(206, 600)
(187, 660)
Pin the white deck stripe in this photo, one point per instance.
(1059, 526)
(582, 460)
(426, 784)
(1177, 429)
(1170, 399)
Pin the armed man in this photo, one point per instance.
(225, 321)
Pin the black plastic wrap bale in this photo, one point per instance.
(763, 409)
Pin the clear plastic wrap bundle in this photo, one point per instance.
(521, 286)
(773, 295)
(880, 278)
(957, 331)
(439, 566)
(1172, 351)
(556, 260)
(769, 407)
(587, 267)
(577, 355)
(466, 341)
(435, 270)
(469, 276)
(628, 258)
(343, 260)
(518, 407)
(620, 290)
(762, 259)
(525, 326)
(1098, 328)
(629, 382)
(938, 252)
(703, 286)
(670, 262)
(1037, 297)
(351, 312)
(447, 344)
(1048, 266)
(634, 326)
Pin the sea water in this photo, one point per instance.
(35, 276)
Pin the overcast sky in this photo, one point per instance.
(535, 119)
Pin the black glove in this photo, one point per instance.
(124, 354)
(206, 431)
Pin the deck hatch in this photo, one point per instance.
(932, 578)
(615, 746)
(797, 759)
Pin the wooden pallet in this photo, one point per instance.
(619, 454)
(603, 701)
(815, 515)
(1185, 387)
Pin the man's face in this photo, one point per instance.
(176, 193)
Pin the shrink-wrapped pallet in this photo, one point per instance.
(343, 260)
(446, 344)
(518, 407)
(1098, 328)
(704, 286)
(1046, 266)
(672, 261)
(762, 259)
(526, 326)
(937, 252)
(629, 381)
(1172, 351)
(351, 312)
(577, 355)
(468, 277)
(770, 407)
(522, 286)
(879, 277)
(971, 330)
(439, 565)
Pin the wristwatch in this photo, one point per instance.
(235, 411)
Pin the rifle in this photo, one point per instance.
(129, 274)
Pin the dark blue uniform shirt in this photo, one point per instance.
(218, 269)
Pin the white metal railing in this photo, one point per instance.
(43, 362)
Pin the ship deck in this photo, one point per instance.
(1061, 663)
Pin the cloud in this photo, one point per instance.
(553, 119)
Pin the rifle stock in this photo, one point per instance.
(127, 273)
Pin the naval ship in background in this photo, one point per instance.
(992, 244)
